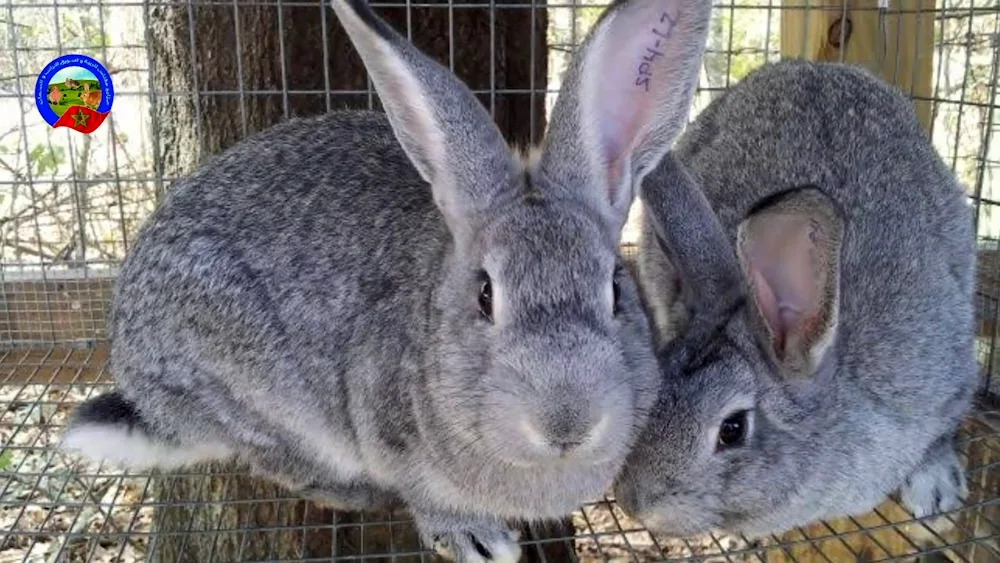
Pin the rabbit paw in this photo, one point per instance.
(481, 544)
(938, 485)
(478, 541)
(466, 538)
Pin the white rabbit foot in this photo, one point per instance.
(938, 485)
(485, 544)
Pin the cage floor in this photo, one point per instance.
(54, 508)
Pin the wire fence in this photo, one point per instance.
(193, 77)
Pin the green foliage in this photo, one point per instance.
(739, 40)
(587, 17)
(85, 30)
(6, 457)
(45, 159)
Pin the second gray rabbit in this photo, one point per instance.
(378, 308)
(817, 327)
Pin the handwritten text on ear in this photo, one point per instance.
(645, 70)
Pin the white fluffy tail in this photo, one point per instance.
(108, 428)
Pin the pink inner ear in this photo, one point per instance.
(622, 111)
(790, 318)
(767, 303)
(780, 255)
(633, 72)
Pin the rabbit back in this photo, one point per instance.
(275, 266)
(908, 255)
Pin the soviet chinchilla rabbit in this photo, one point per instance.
(818, 351)
(396, 307)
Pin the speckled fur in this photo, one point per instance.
(879, 414)
(306, 302)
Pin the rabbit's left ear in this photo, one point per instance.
(625, 98)
(689, 234)
(790, 254)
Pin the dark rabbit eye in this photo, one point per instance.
(616, 290)
(486, 298)
(733, 431)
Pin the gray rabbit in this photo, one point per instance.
(381, 308)
(818, 325)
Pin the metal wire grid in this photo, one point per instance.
(75, 216)
(70, 205)
(76, 202)
(68, 511)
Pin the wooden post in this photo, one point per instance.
(897, 44)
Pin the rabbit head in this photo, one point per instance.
(542, 352)
(758, 319)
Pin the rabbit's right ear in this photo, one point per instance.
(790, 253)
(625, 98)
(448, 135)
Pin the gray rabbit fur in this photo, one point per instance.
(381, 308)
(809, 260)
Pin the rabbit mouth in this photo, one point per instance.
(670, 515)
(571, 460)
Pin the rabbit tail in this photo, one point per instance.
(110, 428)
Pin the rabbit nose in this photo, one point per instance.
(560, 443)
(565, 443)
(566, 430)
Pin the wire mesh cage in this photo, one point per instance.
(193, 77)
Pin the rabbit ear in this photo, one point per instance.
(448, 135)
(790, 254)
(689, 233)
(625, 98)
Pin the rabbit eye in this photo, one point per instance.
(733, 431)
(486, 298)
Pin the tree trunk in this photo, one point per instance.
(218, 75)
(196, 49)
